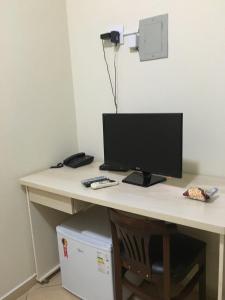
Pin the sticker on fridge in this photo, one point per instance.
(65, 247)
(102, 262)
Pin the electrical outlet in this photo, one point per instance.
(119, 28)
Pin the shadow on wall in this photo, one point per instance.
(190, 166)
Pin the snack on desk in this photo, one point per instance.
(196, 193)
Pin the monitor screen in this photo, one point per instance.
(147, 142)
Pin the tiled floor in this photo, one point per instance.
(54, 291)
(49, 291)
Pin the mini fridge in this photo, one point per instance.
(85, 252)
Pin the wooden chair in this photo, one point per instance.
(157, 253)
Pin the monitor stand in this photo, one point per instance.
(108, 167)
(144, 179)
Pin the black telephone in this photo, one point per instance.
(78, 160)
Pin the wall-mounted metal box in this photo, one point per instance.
(153, 38)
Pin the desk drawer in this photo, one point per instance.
(61, 203)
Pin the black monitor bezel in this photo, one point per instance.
(180, 168)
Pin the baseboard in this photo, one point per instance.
(20, 289)
(48, 274)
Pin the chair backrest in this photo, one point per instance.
(132, 238)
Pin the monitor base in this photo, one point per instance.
(107, 167)
(144, 179)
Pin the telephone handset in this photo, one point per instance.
(76, 160)
(72, 157)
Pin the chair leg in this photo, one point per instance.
(167, 291)
(202, 286)
(118, 286)
(117, 266)
(166, 265)
(202, 280)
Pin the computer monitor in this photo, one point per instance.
(149, 143)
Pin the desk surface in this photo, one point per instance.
(162, 201)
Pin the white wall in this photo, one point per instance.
(36, 117)
(191, 80)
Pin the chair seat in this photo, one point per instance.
(183, 252)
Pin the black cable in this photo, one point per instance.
(110, 79)
(107, 66)
(115, 73)
(59, 165)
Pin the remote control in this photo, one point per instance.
(103, 184)
(88, 182)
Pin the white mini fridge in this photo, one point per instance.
(85, 252)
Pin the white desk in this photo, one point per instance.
(57, 188)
